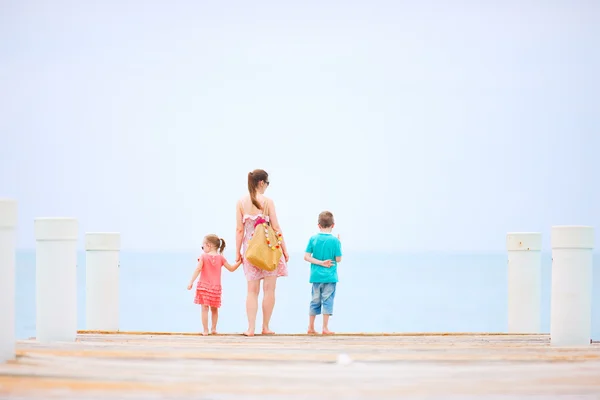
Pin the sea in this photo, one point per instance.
(377, 292)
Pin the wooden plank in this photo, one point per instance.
(150, 365)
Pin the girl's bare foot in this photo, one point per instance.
(248, 333)
(311, 332)
(328, 332)
(205, 333)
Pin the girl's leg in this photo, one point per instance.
(252, 306)
(268, 302)
(205, 320)
(214, 317)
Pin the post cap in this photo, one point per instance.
(572, 237)
(106, 241)
(55, 228)
(8, 213)
(524, 241)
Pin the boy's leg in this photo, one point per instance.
(205, 320)
(328, 298)
(311, 325)
(214, 317)
(315, 307)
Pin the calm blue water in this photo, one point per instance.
(376, 293)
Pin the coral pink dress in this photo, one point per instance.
(208, 289)
(253, 273)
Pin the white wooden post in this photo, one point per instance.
(8, 224)
(102, 281)
(571, 302)
(524, 281)
(56, 279)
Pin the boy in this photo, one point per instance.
(323, 253)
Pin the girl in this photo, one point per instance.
(208, 291)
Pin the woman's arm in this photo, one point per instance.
(275, 224)
(196, 273)
(239, 231)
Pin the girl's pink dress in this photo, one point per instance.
(253, 273)
(208, 289)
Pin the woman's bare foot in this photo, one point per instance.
(328, 332)
(248, 333)
(311, 332)
(205, 333)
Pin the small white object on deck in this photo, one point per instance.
(102, 280)
(524, 281)
(571, 301)
(8, 224)
(56, 279)
(344, 359)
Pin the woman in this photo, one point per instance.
(249, 208)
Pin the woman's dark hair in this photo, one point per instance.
(254, 178)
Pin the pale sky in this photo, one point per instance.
(422, 125)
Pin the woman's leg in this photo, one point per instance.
(214, 317)
(252, 306)
(204, 320)
(268, 302)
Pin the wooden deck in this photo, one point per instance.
(151, 366)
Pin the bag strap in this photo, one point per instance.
(265, 207)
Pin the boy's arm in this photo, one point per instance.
(338, 253)
(309, 258)
(233, 267)
(196, 273)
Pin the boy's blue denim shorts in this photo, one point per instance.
(323, 295)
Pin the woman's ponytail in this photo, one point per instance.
(254, 178)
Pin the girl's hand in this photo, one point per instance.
(190, 286)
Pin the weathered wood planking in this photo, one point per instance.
(121, 365)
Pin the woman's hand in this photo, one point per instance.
(286, 256)
(238, 257)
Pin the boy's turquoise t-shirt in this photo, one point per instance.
(324, 246)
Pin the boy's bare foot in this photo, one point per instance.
(311, 332)
(205, 333)
(248, 333)
(328, 332)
